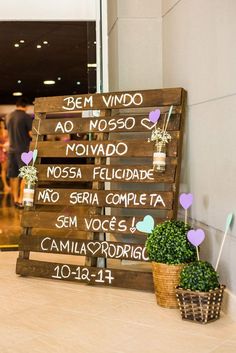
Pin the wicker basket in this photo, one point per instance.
(202, 307)
(166, 278)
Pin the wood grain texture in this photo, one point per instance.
(120, 123)
(102, 173)
(111, 148)
(104, 198)
(111, 224)
(39, 117)
(80, 247)
(150, 98)
(179, 157)
(121, 278)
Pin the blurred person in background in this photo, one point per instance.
(3, 156)
(19, 126)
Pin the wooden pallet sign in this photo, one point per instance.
(91, 193)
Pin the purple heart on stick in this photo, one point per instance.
(26, 157)
(196, 237)
(154, 115)
(186, 200)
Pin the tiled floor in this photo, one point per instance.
(49, 316)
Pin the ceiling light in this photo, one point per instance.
(45, 42)
(22, 41)
(16, 94)
(91, 65)
(78, 82)
(39, 46)
(95, 42)
(59, 78)
(49, 82)
(16, 45)
(19, 81)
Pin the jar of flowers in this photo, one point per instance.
(161, 138)
(29, 174)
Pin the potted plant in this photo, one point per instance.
(199, 293)
(168, 249)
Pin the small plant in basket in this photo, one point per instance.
(199, 276)
(168, 249)
(199, 293)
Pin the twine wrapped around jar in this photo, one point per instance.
(159, 157)
(28, 195)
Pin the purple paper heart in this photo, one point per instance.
(186, 200)
(154, 115)
(26, 157)
(196, 237)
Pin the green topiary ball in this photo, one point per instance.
(168, 243)
(199, 275)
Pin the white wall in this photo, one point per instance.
(134, 44)
(199, 54)
(31, 10)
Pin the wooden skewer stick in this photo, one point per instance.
(168, 118)
(185, 216)
(164, 122)
(198, 258)
(165, 125)
(36, 141)
(227, 225)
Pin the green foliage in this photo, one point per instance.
(168, 243)
(199, 275)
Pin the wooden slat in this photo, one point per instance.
(96, 185)
(79, 247)
(147, 98)
(74, 221)
(120, 123)
(179, 158)
(107, 198)
(177, 109)
(108, 277)
(114, 148)
(28, 231)
(119, 173)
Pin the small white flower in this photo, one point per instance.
(159, 135)
(29, 174)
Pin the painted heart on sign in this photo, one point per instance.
(145, 226)
(94, 247)
(186, 200)
(35, 154)
(132, 229)
(146, 123)
(196, 237)
(26, 157)
(154, 115)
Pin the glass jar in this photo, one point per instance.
(159, 157)
(28, 195)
